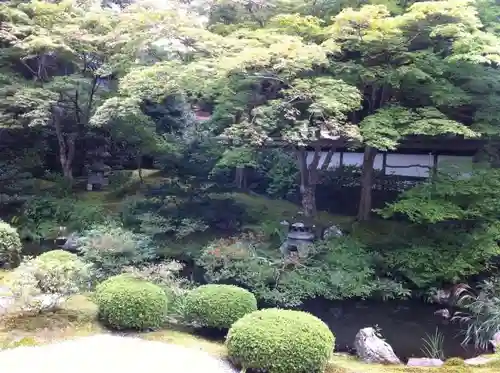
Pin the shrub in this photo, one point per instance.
(166, 275)
(10, 244)
(218, 306)
(43, 283)
(480, 313)
(287, 282)
(280, 341)
(110, 248)
(59, 271)
(42, 215)
(125, 302)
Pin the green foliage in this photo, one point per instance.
(59, 271)
(166, 275)
(280, 341)
(218, 306)
(44, 283)
(481, 313)
(10, 244)
(42, 217)
(458, 228)
(433, 345)
(128, 303)
(178, 210)
(16, 182)
(451, 196)
(335, 269)
(280, 168)
(110, 248)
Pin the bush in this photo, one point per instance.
(125, 302)
(110, 248)
(59, 271)
(337, 268)
(480, 313)
(280, 341)
(42, 216)
(218, 306)
(10, 244)
(43, 283)
(166, 276)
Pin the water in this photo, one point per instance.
(403, 325)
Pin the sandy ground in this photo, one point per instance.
(110, 354)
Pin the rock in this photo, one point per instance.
(480, 360)
(441, 296)
(372, 349)
(332, 231)
(424, 362)
(495, 341)
(35, 304)
(444, 313)
(123, 354)
(45, 302)
(6, 299)
(71, 243)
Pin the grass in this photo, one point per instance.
(79, 318)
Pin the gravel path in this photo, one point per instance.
(106, 354)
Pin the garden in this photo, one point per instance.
(125, 283)
(250, 186)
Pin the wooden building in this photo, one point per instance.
(416, 157)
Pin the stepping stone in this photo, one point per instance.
(480, 360)
(424, 362)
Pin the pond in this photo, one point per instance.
(403, 324)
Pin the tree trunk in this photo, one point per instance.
(308, 180)
(309, 200)
(239, 178)
(139, 168)
(365, 200)
(66, 146)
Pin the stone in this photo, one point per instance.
(332, 231)
(372, 349)
(123, 354)
(444, 313)
(480, 360)
(441, 296)
(495, 341)
(424, 362)
(6, 299)
(71, 243)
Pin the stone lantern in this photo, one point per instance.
(299, 239)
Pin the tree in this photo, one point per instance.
(51, 57)
(406, 68)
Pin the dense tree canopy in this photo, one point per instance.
(244, 93)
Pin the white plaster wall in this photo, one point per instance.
(421, 163)
(423, 160)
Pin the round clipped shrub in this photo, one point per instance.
(57, 255)
(218, 306)
(59, 271)
(125, 302)
(10, 244)
(280, 341)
